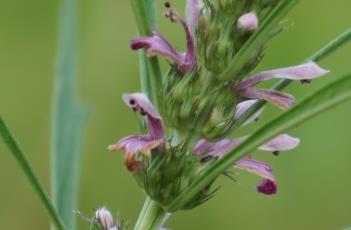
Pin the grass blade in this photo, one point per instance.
(325, 98)
(30, 174)
(67, 120)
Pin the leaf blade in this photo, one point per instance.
(30, 174)
(67, 119)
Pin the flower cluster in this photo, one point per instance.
(190, 128)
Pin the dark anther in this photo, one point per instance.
(132, 101)
(276, 153)
(167, 4)
(142, 112)
(134, 109)
(207, 158)
(306, 81)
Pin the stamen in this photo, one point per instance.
(306, 81)
(167, 4)
(276, 153)
(131, 101)
(142, 112)
(207, 158)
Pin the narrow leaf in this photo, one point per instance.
(326, 98)
(67, 120)
(30, 174)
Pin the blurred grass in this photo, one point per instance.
(314, 183)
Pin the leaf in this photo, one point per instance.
(325, 98)
(30, 174)
(67, 119)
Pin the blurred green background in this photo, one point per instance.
(314, 180)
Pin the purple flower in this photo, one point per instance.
(304, 72)
(105, 219)
(279, 143)
(157, 44)
(247, 22)
(242, 107)
(141, 143)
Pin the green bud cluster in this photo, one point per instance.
(219, 39)
(166, 175)
(186, 96)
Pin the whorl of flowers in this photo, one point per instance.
(191, 127)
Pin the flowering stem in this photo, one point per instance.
(328, 49)
(323, 99)
(144, 21)
(30, 174)
(151, 217)
(261, 35)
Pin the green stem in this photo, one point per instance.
(322, 53)
(30, 174)
(256, 40)
(142, 12)
(151, 217)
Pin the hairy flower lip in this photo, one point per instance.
(143, 144)
(157, 44)
(303, 72)
(279, 143)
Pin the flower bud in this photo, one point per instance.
(247, 22)
(105, 219)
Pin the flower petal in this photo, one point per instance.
(256, 167)
(216, 149)
(242, 107)
(282, 100)
(157, 44)
(267, 187)
(247, 22)
(142, 143)
(133, 144)
(281, 143)
(192, 10)
(140, 103)
(307, 71)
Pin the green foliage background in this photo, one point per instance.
(314, 180)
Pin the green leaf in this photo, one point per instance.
(30, 174)
(68, 118)
(326, 98)
(256, 40)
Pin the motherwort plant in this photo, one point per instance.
(210, 90)
(189, 115)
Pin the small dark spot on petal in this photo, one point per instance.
(132, 101)
(167, 4)
(306, 81)
(207, 158)
(276, 153)
(142, 112)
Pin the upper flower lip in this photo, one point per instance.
(157, 44)
(303, 72)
